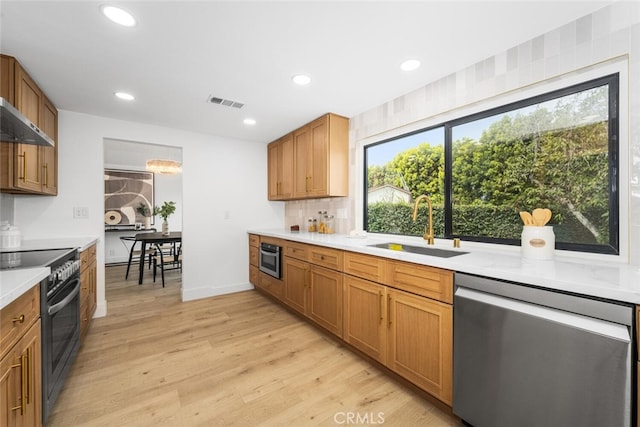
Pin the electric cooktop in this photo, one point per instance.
(30, 259)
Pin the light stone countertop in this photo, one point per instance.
(583, 276)
(15, 282)
(81, 243)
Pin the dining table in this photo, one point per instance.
(154, 239)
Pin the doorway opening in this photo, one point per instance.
(132, 195)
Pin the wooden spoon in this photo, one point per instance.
(539, 217)
(526, 218)
(548, 216)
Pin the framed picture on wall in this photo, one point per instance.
(124, 193)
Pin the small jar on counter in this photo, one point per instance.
(326, 224)
(321, 215)
(312, 226)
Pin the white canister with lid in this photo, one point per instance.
(538, 242)
(10, 237)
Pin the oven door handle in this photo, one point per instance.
(268, 253)
(62, 304)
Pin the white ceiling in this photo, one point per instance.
(182, 52)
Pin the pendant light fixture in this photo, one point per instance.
(166, 167)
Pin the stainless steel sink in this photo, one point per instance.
(442, 253)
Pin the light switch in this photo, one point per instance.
(80, 212)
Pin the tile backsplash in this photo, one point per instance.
(6, 208)
(298, 212)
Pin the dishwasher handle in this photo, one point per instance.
(593, 325)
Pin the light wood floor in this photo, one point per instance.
(233, 360)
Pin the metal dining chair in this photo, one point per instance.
(134, 254)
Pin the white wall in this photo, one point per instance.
(224, 193)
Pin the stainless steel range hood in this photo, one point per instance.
(15, 127)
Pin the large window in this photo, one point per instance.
(557, 150)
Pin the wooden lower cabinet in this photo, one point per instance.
(254, 275)
(270, 284)
(296, 281)
(315, 292)
(254, 259)
(364, 317)
(325, 298)
(21, 382)
(420, 342)
(88, 285)
(410, 334)
(398, 313)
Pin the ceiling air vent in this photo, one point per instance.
(225, 102)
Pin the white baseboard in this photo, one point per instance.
(101, 309)
(193, 294)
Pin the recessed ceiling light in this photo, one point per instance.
(125, 96)
(249, 122)
(301, 79)
(118, 15)
(410, 65)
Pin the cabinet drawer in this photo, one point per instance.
(271, 285)
(254, 274)
(17, 317)
(254, 240)
(419, 279)
(325, 257)
(364, 266)
(87, 256)
(296, 250)
(254, 255)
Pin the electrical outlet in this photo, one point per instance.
(80, 212)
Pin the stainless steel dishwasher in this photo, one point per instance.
(524, 356)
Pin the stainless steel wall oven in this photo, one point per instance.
(270, 262)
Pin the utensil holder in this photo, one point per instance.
(538, 242)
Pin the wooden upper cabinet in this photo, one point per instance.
(302, 149)
(29, 102)
(28, 168)
(50, 154)
(7, 78)
(280, 166)
(312, 161)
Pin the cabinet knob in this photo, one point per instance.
(18, 319)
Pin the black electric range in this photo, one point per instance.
(59, 314)
(29, 259)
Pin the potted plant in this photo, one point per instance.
(144, 210)
(167, 209)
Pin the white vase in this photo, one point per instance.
(165, 228)
(147, 222)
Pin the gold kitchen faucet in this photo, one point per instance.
(428, 233)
